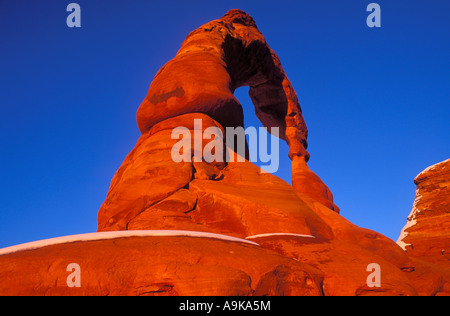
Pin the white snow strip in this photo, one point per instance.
(118, 234)
(278, 234)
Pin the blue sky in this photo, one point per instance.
(376, 101)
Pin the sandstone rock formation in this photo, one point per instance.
(199, 83)
(213, 61)
(427, 233)
(157, 265)
(220, 227)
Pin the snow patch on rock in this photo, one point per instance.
(279, 234)
(118, 234)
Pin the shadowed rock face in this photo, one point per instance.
(300, 243)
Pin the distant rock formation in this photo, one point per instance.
(220, 227)
(427, 233)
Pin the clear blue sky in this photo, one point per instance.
(376, 101)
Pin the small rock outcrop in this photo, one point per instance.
(427, 233)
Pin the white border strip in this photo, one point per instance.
(118, 234)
